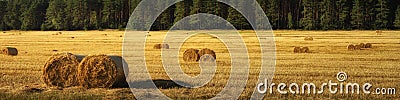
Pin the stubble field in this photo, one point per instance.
(20, 76)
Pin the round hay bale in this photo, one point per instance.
(357, 47)
(165, 46)
(296, 49)
(305, 50)
(157, 46)
(207, 51)
(308, 38)
(350, 47)
(101, 71)
(10, 51)
(191, 55)
(160, 46)
(368, 45)
(60, 70)
(362, 45)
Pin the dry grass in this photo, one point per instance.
(378, 65)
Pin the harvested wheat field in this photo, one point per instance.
(21, 76)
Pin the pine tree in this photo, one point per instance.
(95, 13)
(3, 6)
(328, 19)
(133, 4)
(236, 17)
(197, 8)
(397, 20)
(11, 18)
(382, 14)
(109, 11)
(80, 14)
(167, 18)
(290, 21)
(183, 9)
(272, 13)
(358, 15)
(343, 7)
(308, 21)
(55, 16)
(33, 16)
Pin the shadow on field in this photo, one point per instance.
(161, 84)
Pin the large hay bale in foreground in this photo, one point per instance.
(296, 49)
(160, 46)
(10, 51)
(305, 50)
(191, 55)
(350, 47)
(101, 71)
(60, 70)
(368, 45)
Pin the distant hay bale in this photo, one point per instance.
(10, 51)
(165, 46)
(308, 38)
(157, 46)
(368, 45)
(296, 49)
(350, 47)
(160, 46)
(191, 55)
(304, 50)
(357, 47)
(362, 45)
(101, 71)
(57, 33)
(60, 70)
(378, 32)
(207, 51)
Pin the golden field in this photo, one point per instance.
(20, 76)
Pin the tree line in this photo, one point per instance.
(282, 14)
